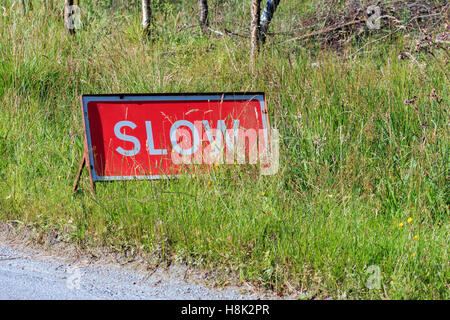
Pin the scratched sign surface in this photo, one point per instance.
(154, 136)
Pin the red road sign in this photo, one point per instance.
(151, 136)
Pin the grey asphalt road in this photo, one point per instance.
(25, 276)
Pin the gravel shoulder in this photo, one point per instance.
(33, 274)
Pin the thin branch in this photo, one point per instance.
(316, 33)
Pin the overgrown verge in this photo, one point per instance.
(363, 183)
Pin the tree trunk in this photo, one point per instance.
(68, 16)
(146, 17)
(204, 22)
(254, 29)
(24, 7)
(266, 17)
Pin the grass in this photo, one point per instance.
(356, 161)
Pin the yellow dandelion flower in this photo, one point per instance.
(400, 224)
(416, 237)
(413, 255)
(216, 164)
(263, 194)
(209, 182)
(410, 220)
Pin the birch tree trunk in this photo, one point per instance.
(146, 17)
(48, 5)
(68, 19)
(204, 22)
(254, 29)
(114, 5)
(267, 16)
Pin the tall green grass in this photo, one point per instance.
(356, 161)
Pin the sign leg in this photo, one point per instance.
(80, 171)
(88, 163)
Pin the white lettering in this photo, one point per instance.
(124, 137)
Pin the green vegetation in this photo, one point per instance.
(356, 160)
